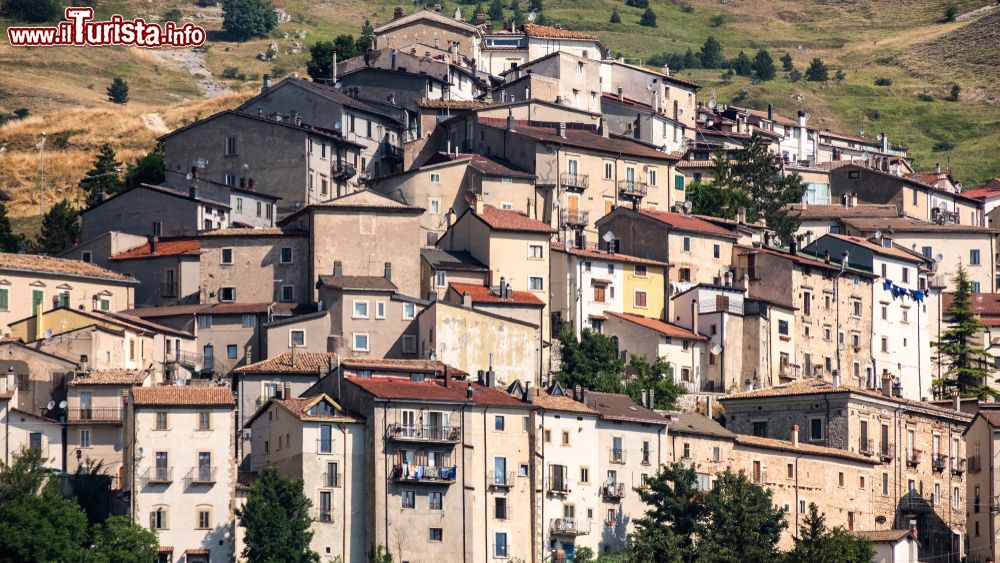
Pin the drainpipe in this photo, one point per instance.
(836, 299)
(579, 294)
(486, 485)
(465, 552)
(541, 547)
(385, 463)
(343, 497)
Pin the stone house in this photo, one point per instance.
(654, 339)
(25, 430)
(507, 49)
(38, 377)
(981, 488)
(439, 267)
(100, 249)
(431, 29)
(720, 313)
(921, 473)
(164, 211)
(254, 266)
(168, 269)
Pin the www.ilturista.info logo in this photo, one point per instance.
(79, 31)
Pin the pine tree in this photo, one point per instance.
(956, 91)
(711, 53)
(118, 91)
(103, 177)
(149, 169)
(666, 532)
(817, 544)
(958, 349)
(276, 520)
(817, 71)
(786, 62)
(615, 16)
(60, 229)
(367, 33)
(763, 65)
(495, 11)
(743, 524)
(648, 18)
(9, 242)
(742, 65)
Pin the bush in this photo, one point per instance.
(942, 146)
(118, 91)
(817, 71)
(687, 8)
(883, 81)
(925, 97)
(839, 76)
(741, 96)
(637, 3)
(950, 11)
(717, 20)
(173, 15)
(648, 18)
(956, 91)
(233, 73)
(246, 19)
(21, 113)
(873, 114)
(794, 75)
(615, 16)
(786, 62)
(35, 11)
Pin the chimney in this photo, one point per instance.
(193, 192)
(479, 205)
(287, 393)
(802, 121)
(266, 85)
(770, 112)
(793, 245)
(468, 391)
(826, 256)
(937, 168)
(885, 142)
(836, 379)
(956, 400)
(153, 241)
(251, 185)
(397, 12)
(529, 394)
(388, 271)
(652, 397)
(437, 8)
(708, 406)
(666, 70)
(886, 383)
(602, 127)
(741, 215)
(854, 200)
(491, 378)
(655, 102)
(467, 300)
(392, 59)
(645, 398)
(621, 94)
(338, 268)
(795, 435)
(510, 120)
(480, 18)
(561, 129)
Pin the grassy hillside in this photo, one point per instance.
(904, 41)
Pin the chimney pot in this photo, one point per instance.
(795, 435)
(153, 241)
(338, 268)
(397, 12)
(266, 84)
(388, 271)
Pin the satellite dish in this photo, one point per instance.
(716, 350)
(197, 367)
(532, 16)
(48, 335)
(712, 103)
(50, 406)
(608, 236)
(939, 257)
(680, 113)
(878, 234)
(180, 382)
(62, 404)
(687, 206)
(189, 176)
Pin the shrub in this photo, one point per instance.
(118, 91)
(883, 81)
(950, 11)
(956, 91)
(786, 62)
(942, 146)
(839, 76)
(794, 75)
(173, 15)
(35, 11)
(742, 95)
(246, 19)
(648, 18)
(687, 8)
(817, 71)
(873, 114)
(233, 73)
(615, 16)
(925, 97)
(637, 3)
(717, 20)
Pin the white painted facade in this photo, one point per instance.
(900, 330)
(576, 285)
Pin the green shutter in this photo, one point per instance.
(679, 182)
(36, 300)
(3, 299)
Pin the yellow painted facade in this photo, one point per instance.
(651, 284)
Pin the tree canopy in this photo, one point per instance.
(276, 520)
(103, 177)
(60, 229)
(818, 544)
(118, 91)
(9, 241)
(247, 19)
(320, 63)
(967, 364)
(817, 71)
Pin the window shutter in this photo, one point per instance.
(3, 299)
(152, 520)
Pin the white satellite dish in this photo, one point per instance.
(712, 103)
(48, 335)
(197, 367)
(50, 406)
(687, 206)
(939, 257)
(62, 404)
(608, 236)
(532, 16)
(189, 176)
(716, 350)
(878, 234)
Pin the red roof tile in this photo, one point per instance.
(606, 256)
(536, 30)
(488, 396)
(400, 388)
(585, 138)
(116, 376)
(182, 396)
(664, 328)
(506, 220)
(59, 267)
(613, 406)
(168, 247)
(436, 367)
(292, 363)
(814, 211)
(481, 294)
(683, 222)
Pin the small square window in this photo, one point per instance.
(435, 178)
(361, 341)
(231, 351)
(297, 338)
(227, 294)
(288, 293)
(498, 423)
(535, 283)
(287, 255)
(227, 256)
(360, 310)
(409, 311)
(435, 534)
(409, 344)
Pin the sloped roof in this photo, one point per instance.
(689, 223)
(116, 376)
(482, 294)
(305, 127)
(989, 189)
(509, 220)
(560, 403)
(488, 166)
(405, 389)
(804, 448)
(691, 423)
(364, 201)
(181, 396)
(910, 225)
(544, 31)
(428, 15)
(360, 283)
(451, 260)
(299, 407)
(488, 396)
(454, 104)
(882, 535)
(209, 309)
(584, 138)
(891, 251)
(662, 327)
(252, 232)
(832, 211)
(408, 366)
(598, 254)
(37, 263)
(165, 247)
(292, 363)
(614, 406)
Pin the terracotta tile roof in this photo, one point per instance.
(585, 138)
(662, 77)
(882, 535)
(507, 220)
(909, 225)
(180, 396)
(404, 389)
(208, 309)
(696, 163)
(762, 114)
(799, 258)
(325, 91)
(407, 366)
(116, 376)
(253, 232)
(439, 258)
(428, 15)
(297, 363)
(362, 283)
(691, 423)
(164, 247)
(488, 396)
(849, 137)
(989, 189)
(992, 416)
(536, 30)
(985, 304)
(662, 327)
(689, 223)
(363, 201)
(491, 167)
(929, 178)
(59, 266)
(482, 294)
(138, 321)
(891, 252)
(560, 403)
(454, 104)
(597, 254)
(613, 406)
(782, 445)
(814, 211)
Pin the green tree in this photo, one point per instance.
(717, 20)
(103, 177)
(36, 522)
(794, 75)
(535, 6)
(276, 520)
(666, 532)
(119, 540)
(60, 229)
(518, 15)
(320, 64)
(495, 11)
(950, 11)
(658, 377)
(149, 169)
(583, 555)
(9, 242)
(118, 91)
(967, 364)
(615, 16)
(247, 19)
(742, 524)
(839, 76)
(786, 62)
(591, 362)
(817, 71)
(742, 65)
(34, 11)
(710, 54)
(818, 544)
(691, 60)
(763, 65)
(90, 485)
(381, 555)
(367, 35)
(956, 91)
(648, 18)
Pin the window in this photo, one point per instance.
(231, 351)
(296, 338)
(360, 310)
(161, 421)
(535, 251)
(435, 534)
(790, 470)
(86, 256)
(500, 544)
(885, 344)
(249, 321)
(325, 506)
(783, 328)
(679, 183)
(498, 423)
(287, 255)
(885, 484)
(565, 437)
(599, 293)
(435, 178)
(652, 177)
(434, 501)
(409, 499)
(687, 244)
(380, 309)
(227, 256)
(231, 147)
(287, 293)
(227, 294)
(806, 303)
(815, 429)
(409, 344)
(716, 454)
(204, 420)
(84, 437)
(757, 472)
(716, 251)
(434, 206)
(856, 308)
(535, 283)
(640, 299)
(584, 474)
(687, 450)
(608, 170)
(840, 479)
(760, 428)
(204, 518)
(975, 287)
(409, 311)
(158, 519)
(974, 257)
(361, 341)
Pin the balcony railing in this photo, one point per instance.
(331, 479)
(886, 453)
(558, 487)
(939, 462)
(574, 218)
(571, 181)
(569, 526)
(646, 457)
(168, 289)
(501, 480)
(957, 466)
(913, 458)
(613, 490)
(99, 415)
(190, 359)
(632, 188)
(320, 515)
(201, 475)
(158, 476)
(616, 455)
(419, 433)
(866, 447)
(412, 473)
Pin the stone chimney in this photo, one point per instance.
(153, 241)
(770, 112)
(665, 70)
(561, 129)
(956, 400)
(193, 192)
(287, 393)
(388, 271)
(795, 435)
(266, 85)
(479, 205)
(467, 300)
(338, 268)
(397, 12)
(886, 383)
(741, 215)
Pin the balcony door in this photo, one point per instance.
(408, 426)
(204, 466)
(572, 168)
(161, 466)
(500, 471)
(86, 405)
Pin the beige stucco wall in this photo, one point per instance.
(256, 273)
(21, 286)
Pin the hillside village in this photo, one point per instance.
(375, 283)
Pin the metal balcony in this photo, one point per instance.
(158, 476)
(412, 473)
(500, 480)
(866, 447)
(616, 455)
(420, 433)
(939, 462)
(560, 487)
(957, 466)
(574, 182)
(632, 189)
(613, 491)
(201, 475)
(886, 453)
(332, 480)
(569, 526)
(574, 218)
(189, 359)
(99, 415)
(913, 458)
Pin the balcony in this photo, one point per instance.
(569, 526)
(646, 456)
(957, 466)
(433, 433)
(158, 476)
(201, 475)
(886, 454)
(324, 445)
(501, 480)
(613, 491)
(324, 516)
(632, 189)
(574, 218)
(616, 455)
(574, 182)
(913, 458)
(939, 462)
(332, 480)
(412, 473)
(189, 359)
(559, 487)
(866, 447)
(99, 415)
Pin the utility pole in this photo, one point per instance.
(41, 175)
